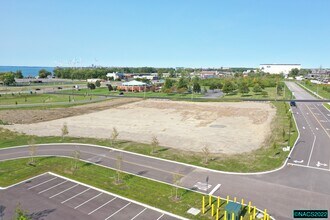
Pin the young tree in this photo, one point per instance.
(154, 144)
(228, 87)
(97, 83)
(196, 87)
(244, 88)
(182, 83)
(110, 88)
(32, 151)
(257, 88)
(18, 74)
(114, 136)
(206, 154)
(176, 183)
(76, 157)
(21, 214)
(119, 164)
(64, 130)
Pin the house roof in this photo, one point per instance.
(134, 83)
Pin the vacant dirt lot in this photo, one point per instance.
(223, 127)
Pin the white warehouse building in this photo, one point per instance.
(278, 68)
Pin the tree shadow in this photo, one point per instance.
(41, 215)
(2, 211)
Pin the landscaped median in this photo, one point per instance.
(159, 195)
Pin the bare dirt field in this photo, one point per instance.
(224, 127)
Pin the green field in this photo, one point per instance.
(26, 99)
(105, 91)
(268, 157)
(286, 94)
(318, 89)
(153, 193)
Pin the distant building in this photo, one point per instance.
(278, 68)
(134, 86)
(115, 76)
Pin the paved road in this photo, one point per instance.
(298, 185)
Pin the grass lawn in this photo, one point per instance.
(327, 105)
(268, 157)
(38, 98)
(252, 95)
(140, 189)
(105, 91)
(319, 89)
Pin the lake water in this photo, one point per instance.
(26, 70)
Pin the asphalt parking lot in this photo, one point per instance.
(53, 197)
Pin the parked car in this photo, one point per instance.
(293, 103)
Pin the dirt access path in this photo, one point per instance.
(224, 127)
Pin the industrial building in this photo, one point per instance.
(278, 68)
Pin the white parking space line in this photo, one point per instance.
(139, 214)
(310, 156)
(102, 206)
(52, 187)
(87, 201)
(118, 210)
(63, 191)
(215, 189)
(42, 183)
(75, 195)
(160, 216)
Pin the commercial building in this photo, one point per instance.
(278, 68)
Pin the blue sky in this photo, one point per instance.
(165, 33)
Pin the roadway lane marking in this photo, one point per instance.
(323, 114)
(52, 187)
(298, 161)
(215, 189)
(160, 216)
(102, 205)
(310, 156)
(42, 183)
(138, 214)
(310, 167)
(317, 128)
(87, 201)
(75, 195)
(63, 191)
(118, 210)
(321, 164)
(202, 186)
(319, 123)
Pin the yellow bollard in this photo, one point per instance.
(225, 215)
(254, 212)
(234, 199)
(232, 216)
(265, 214)
(217, 216)
(242, 201)
(210, 200)
(249, 207)
(203, 205)
(241, 218)
(250, 217)
(212, 212)
(227, 199)
(218, 201)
